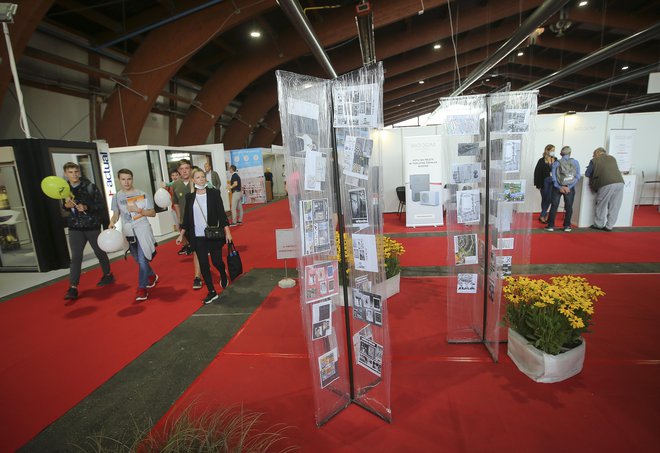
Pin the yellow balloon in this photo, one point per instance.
(55, 187)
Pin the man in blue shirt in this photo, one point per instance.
(565, 175)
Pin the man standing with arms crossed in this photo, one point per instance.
(180, 188)
(86, 207)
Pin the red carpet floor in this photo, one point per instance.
(451, 397)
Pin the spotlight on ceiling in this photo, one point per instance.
(437, 46)
(521, 53)
(255, 34)
(421, 82)
(623, 68)
(583, 3)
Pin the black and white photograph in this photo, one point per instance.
(328, 370)
(505, 243)
(468, 206)
(511, 156)
(322, 319)
(516, 120)
(497, 117)
(364, 252)
(358, 202)
(367, 307)
(465, 249)
(303, 117)
(465, 173)
(462, 125)
(468, 149)
(356, 105)
(370, 355)
(503, 266)
(357, 154)
(466, 283)
(315, 170)
(496, 149)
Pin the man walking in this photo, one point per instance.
(607, 182)
(565, 175)
(86, 207)
(236, 197)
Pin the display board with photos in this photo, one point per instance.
(487, 139)
(308, 108)
(360, 189)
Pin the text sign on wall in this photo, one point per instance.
(621, 147)
(285, 241)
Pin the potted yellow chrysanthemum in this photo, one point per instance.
(546, 320)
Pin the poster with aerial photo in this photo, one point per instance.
(370, 355)
(466, 283)
(462, 124)
(468, 206)
(322, 319)
(314, 226)
(468, 149)
(356, 106)
(328, 370)
(516, 120)
(321, 280)
(514, 191)
(465, 249)
(304, 121)
(358, 199)
(367, 307)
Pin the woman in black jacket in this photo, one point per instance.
(543, 180)
(204, 208)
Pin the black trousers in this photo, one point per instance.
(204, 248)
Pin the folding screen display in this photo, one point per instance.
(487, 140)
(358, 114)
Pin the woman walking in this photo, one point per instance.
(204, 209)
(543, 180)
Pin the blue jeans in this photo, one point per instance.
(145, 269)
(546, 195)
(568, 206)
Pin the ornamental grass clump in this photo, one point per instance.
(551, 315)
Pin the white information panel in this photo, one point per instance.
(621, 147)
(423, 179)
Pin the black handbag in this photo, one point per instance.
(234, 264)
(213, 233)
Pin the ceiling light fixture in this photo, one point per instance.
(583, 3)
(255, 34)
(521, 53)
(437, 46)
(623, 68)
(421, 82)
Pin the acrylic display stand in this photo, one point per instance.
(487, 142)
(348, 349)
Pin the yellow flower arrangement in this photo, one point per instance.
(551, 315)
(390, 249)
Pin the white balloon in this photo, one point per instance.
(162, 198)
(111, 240)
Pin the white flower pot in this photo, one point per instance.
(542, 367)
(392, 285)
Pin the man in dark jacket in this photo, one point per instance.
(87, 207)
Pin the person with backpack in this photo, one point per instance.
(565, 175)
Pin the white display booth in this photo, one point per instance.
(583, 132)
(151, 165)
(585, 200)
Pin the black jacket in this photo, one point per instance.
(215, 209)
(97, 212)
(541, 172)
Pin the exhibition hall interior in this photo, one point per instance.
(329, 226)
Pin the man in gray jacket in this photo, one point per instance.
(606, 181)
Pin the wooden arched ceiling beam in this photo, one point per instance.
(158, 59)
(266, 133)
(259, 101)
(232, 78)
(410, 48)
(29, 14)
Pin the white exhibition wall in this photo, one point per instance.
(583, 132)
